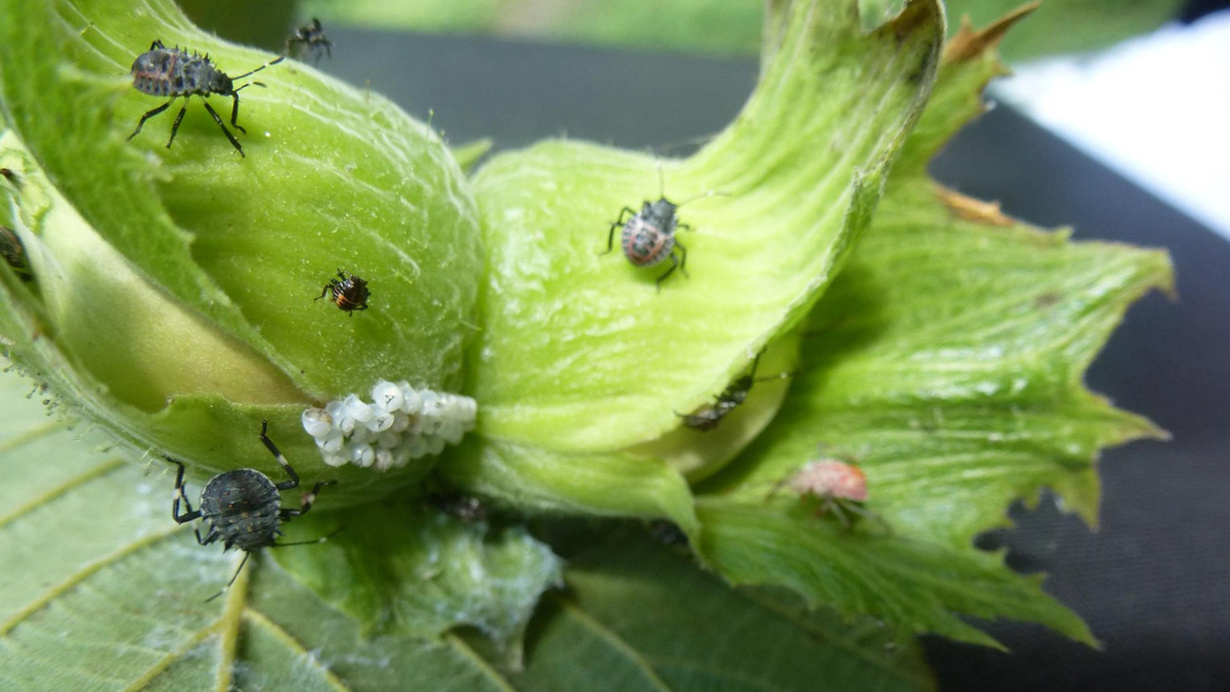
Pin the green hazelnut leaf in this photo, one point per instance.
(100, 368)
(540, 480)
(334, 177)
(417, 571)
(580, 353)
(917, 585)
(103, 591)
(946, 362)
(642, 618)
(1101, 25)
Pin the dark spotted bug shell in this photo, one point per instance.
(163, 71)
(243, 508)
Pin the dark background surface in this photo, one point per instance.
(1153, 582)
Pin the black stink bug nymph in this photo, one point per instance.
(707, 417)
(310, 39)
(349, 292)
(243, 507)
(172, 72)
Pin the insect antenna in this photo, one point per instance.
(778, 376)
(242, 562)
(662, 190)
(245, 86)
(252, 72)
(313, 541)
(703, 195)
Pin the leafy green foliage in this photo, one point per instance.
(603, 484)
(938, 345)
(333, 177)
(571, 336)
(1071, 26)
(415, 571)
(109, 594)
(75, 270)
(645, 621)
(733, 26)
(945, 361)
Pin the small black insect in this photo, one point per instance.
(310, 39)
(707, 417)
(667, 533)
(14, 253)
(349, 292)
(467, 508)
(163, 71)
(243, 507)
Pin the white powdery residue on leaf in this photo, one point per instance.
(400, 424)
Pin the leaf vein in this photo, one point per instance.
(165, 663)
(468, 651)
(81, 575)
(78, 480)
(257, 618)
(571, 608)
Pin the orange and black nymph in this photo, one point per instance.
(348, 292)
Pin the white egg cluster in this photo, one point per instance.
(401, 423)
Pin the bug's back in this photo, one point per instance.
(243, 507)
(649, 237)
(173, 72)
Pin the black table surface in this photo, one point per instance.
(1153, 581)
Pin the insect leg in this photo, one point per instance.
(149, 115)
(277, 454)
(870, 515)
(324, 291)
(178, 119)
(683, 257)
(235, 112)
(308, 499)
(776, 488)
(610, 238)
(192, 514)
(831, 503)
(675, 264)
(242, 562)
(208, 538)
(214, 113)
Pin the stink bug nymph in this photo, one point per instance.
(349, 292)
(14, 253)
(707, 417)
(648, 237)
(310, 39)
(834, 486)
(172, 72)
(243, 507)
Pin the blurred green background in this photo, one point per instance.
(719, 27)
